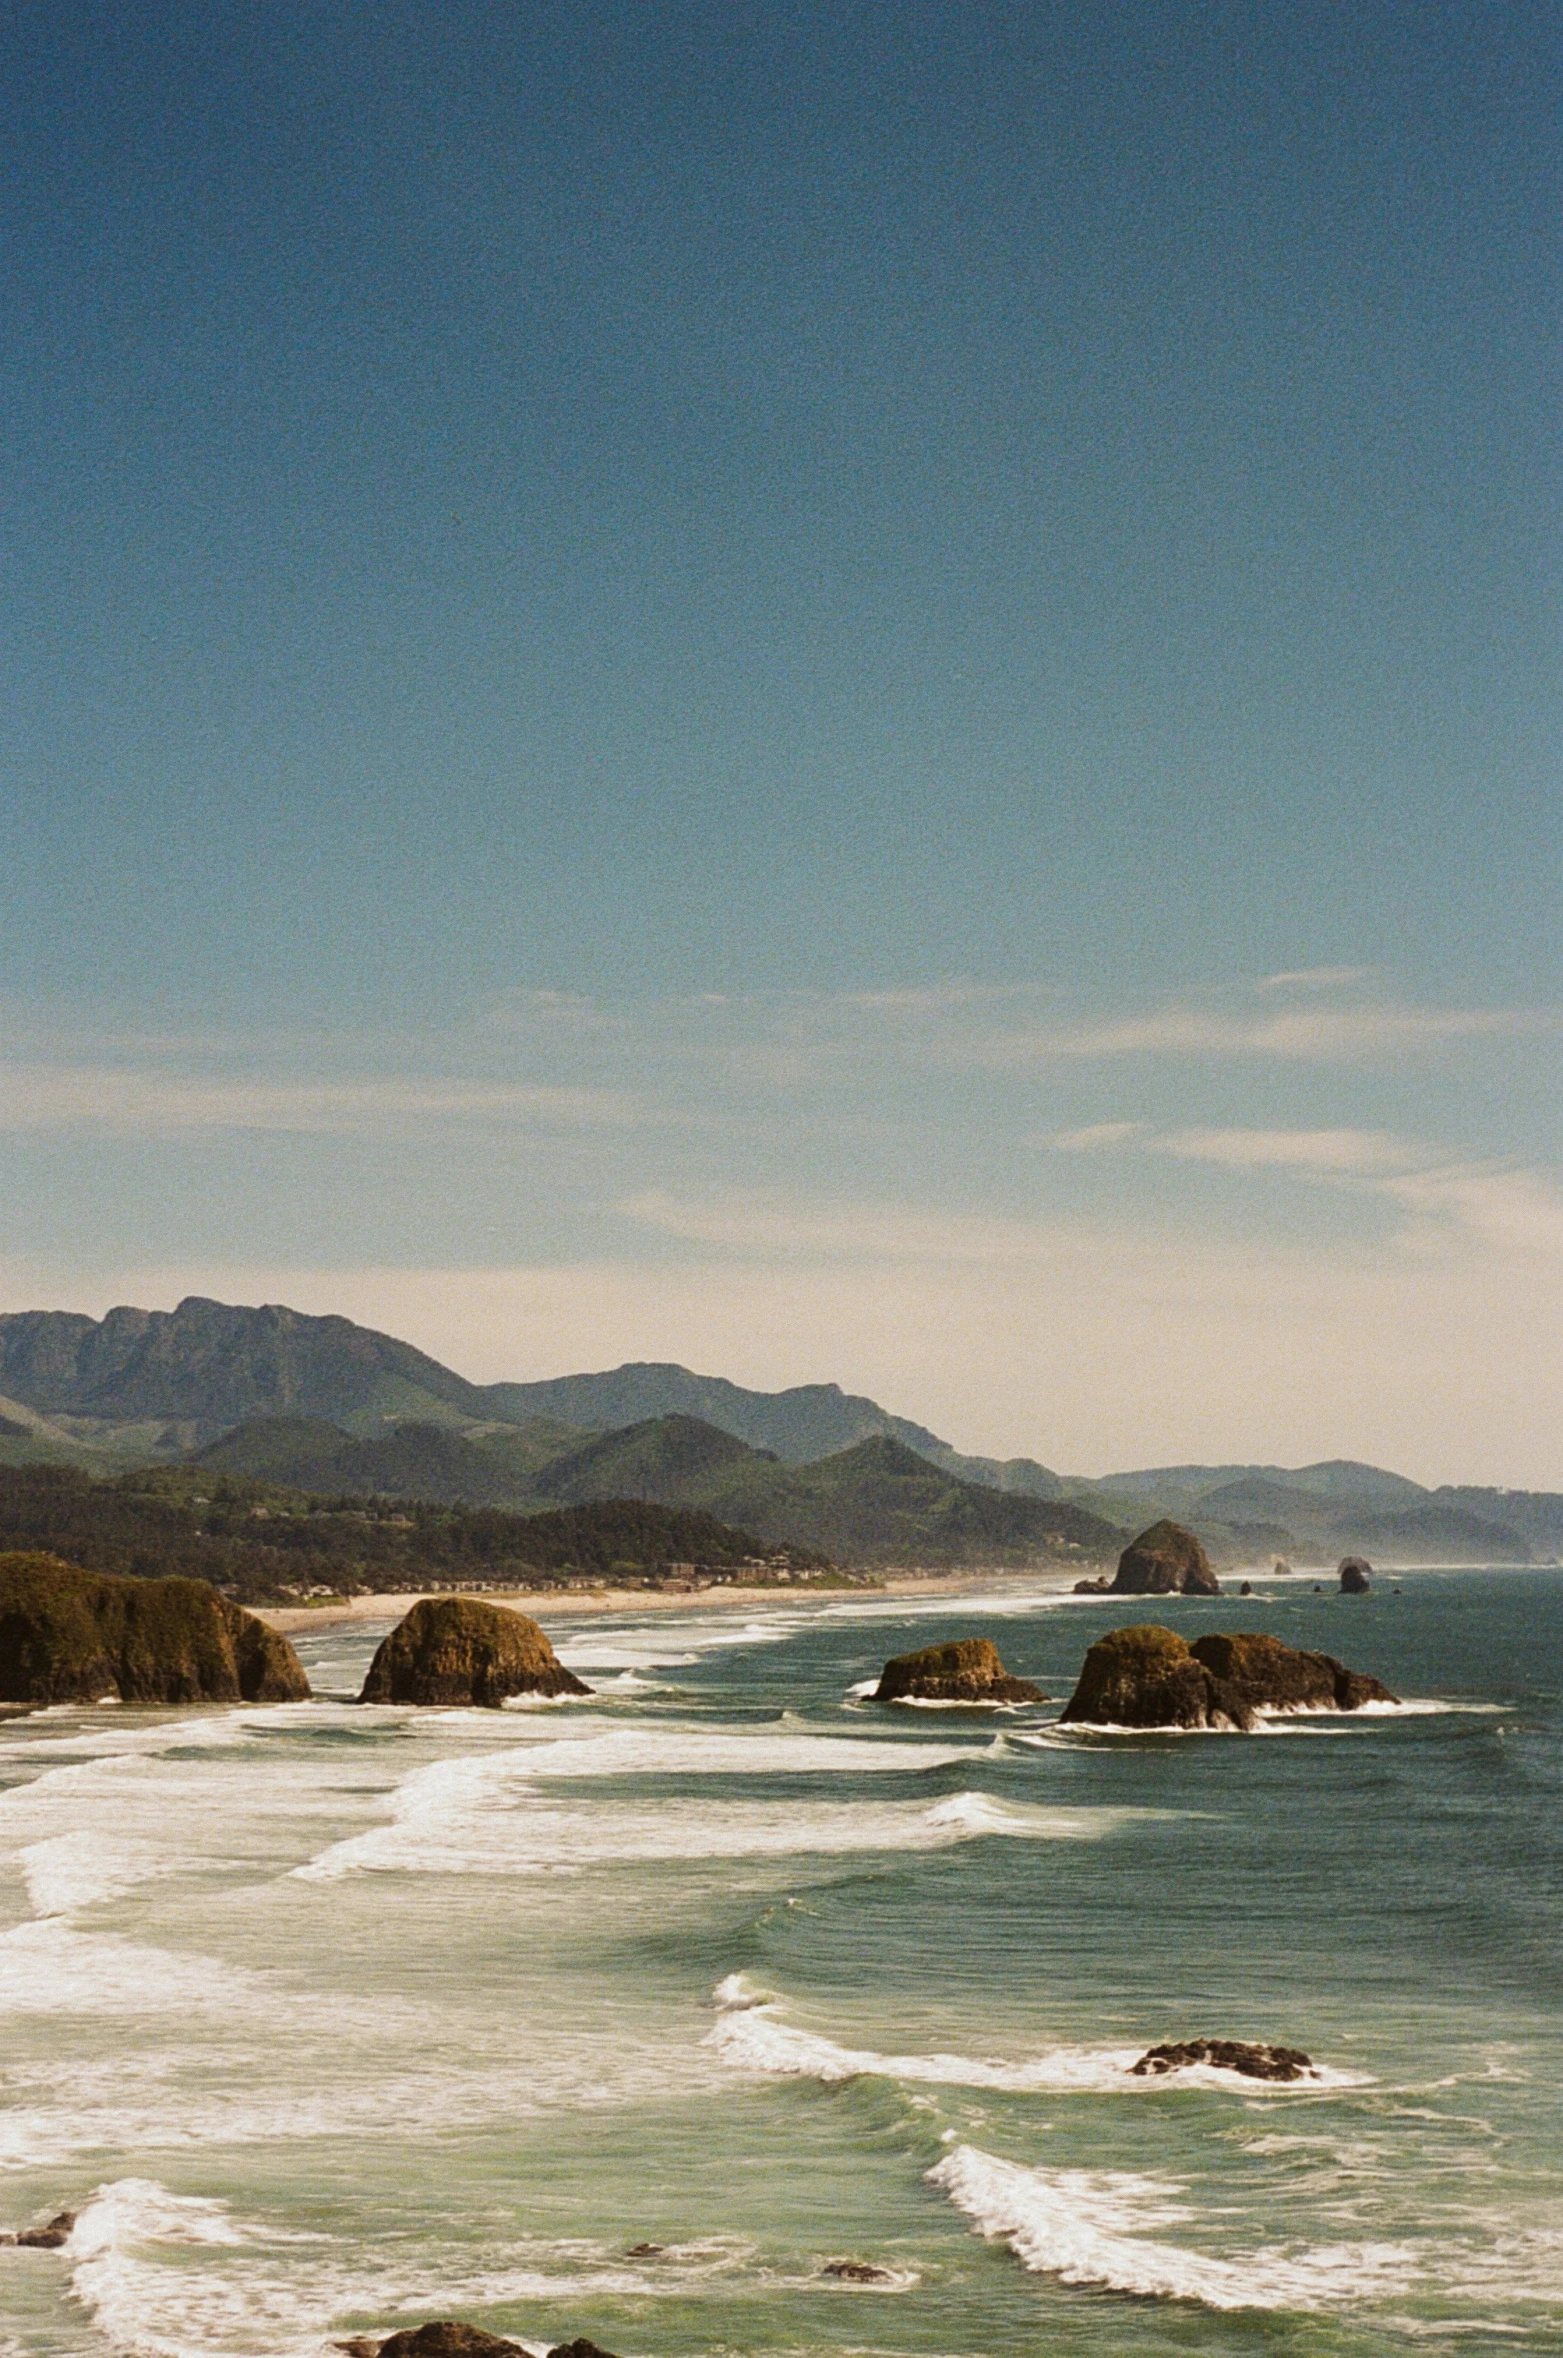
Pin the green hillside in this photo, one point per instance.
(258, 1542)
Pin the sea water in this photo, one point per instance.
(328, 2020)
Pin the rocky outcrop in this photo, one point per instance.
(1148, 1677)
(45, 2239)
(1254, 2060)
(1099, 1587)
(857, 2272)
(68, 1636)
(461, 1650)
(1165, 1561)
(968, 1670)
(448, 2338)
(1354, 1576)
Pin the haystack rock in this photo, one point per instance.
(968, 1670)
(1250, 2057)
(461, 1650)
(1165, 1561)
(1354, 1580)
(68, 1636)
(1147, 1677)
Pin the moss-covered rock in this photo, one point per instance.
(68, 1636)
(1165, 1561)
(1148, 1677)
(1142, 1677)
(967, 1670)
(462, 1650)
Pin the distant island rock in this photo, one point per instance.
(1354, 1576)
(1164, 1561)
(1249, 2057)
(455, 1650)
(967, 1670)
(68, 1636)
(1148, 1677)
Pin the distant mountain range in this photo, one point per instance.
(324, 1405)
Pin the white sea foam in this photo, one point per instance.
(1091, 2227)
(47, 1967)
(752, 2034)
(79, 1869)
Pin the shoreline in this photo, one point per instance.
(387, 1604)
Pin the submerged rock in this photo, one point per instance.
(1149, 1677)
(45, 2239)
(444, 2339)
(967, 1670)
(1165, 1561)
(461, 1650)
(1354, 1571)
(857, 2272)
(1254, 2060)
(68, 1636)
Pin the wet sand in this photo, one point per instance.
(391, 1604)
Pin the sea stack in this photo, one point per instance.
(68, 1636)
(455, 1650)
(1148, 1677)
(1354, 1580)
(968, 1670)
(1165, 1561)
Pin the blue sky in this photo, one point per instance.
(836, 691)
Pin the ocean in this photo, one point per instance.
(632, 2017)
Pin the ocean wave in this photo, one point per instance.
(752, 2035)
(46, 1967)
(79, 1869)
(1090, 2227)
(266, 2292)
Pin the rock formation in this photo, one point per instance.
(1253, 2060)
(448, 2338)
(968, 1670)
(857, 2272)
(1147, 1677)
(68, 1636)
(1165, 1561)
(1354, 1571)
(461, 1650)
(1098, 1587)
(45, 2239)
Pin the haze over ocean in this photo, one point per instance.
(837, 692)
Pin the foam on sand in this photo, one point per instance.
(752, 2034)
(1091, 2227)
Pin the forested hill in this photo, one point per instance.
(258, 1543)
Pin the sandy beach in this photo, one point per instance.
(391, 1604)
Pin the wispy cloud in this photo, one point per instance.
(1310, 1035)
(61, 1097)
(1291, 1150)
(1317, 978)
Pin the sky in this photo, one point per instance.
(858, 692)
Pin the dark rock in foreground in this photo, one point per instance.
(68, 1636)
(968, 1670)
(45, 2239)
(444, 2339)
(1148, 1677)
(1354, 1580)
(1165, 1561)
(461, 1650)
(1253, 2060)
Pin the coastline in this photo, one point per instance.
(390, 1604)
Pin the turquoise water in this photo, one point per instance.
(330, 2020)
